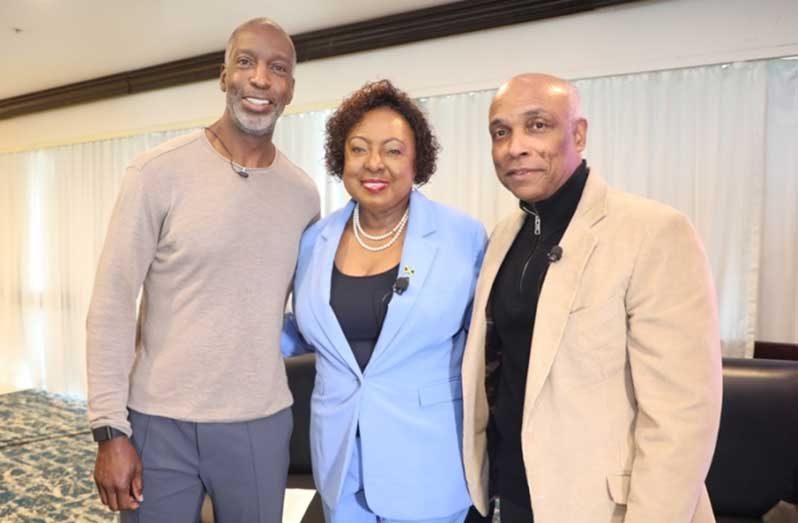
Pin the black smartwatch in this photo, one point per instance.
(106, 433)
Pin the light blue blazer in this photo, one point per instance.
(408, 401)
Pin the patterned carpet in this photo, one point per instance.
(46, 461)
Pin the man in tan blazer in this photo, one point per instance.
(592, 372)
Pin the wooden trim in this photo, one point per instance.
(423, 24)
(198, 68)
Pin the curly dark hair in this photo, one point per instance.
(374, 95)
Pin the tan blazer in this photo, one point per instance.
(623, 391)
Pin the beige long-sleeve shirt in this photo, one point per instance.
(215, 254)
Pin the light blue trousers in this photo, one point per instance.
(353, 507)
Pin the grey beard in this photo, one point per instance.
(254, 126)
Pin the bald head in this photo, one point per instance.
(557, 91)
(256, 23)
(538, 134)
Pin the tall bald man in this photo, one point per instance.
(591, 376)
(192, 397)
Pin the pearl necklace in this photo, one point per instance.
(360, 233)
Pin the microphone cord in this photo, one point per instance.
(242, 171)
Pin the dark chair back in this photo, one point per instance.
(756, 459)
(301, 371)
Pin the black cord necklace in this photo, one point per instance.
(241, 171)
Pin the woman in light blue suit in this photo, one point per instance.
(382, 294)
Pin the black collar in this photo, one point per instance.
(558, 208)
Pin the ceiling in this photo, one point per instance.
(48, 43)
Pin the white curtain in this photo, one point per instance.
(694, 139)
(55, 207)
(18, 364)
(778, 290)
(712, 141)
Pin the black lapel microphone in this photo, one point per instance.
(242, 172)
(555, 254)
(401, 284)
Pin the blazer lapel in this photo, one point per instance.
(319, 293)
(500, 242)
(418, 253)
(561, 285)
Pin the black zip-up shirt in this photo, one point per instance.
(512, 308)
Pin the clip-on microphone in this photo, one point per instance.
(555, 254)
(401, 284)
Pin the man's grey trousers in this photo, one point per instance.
(242, 466)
